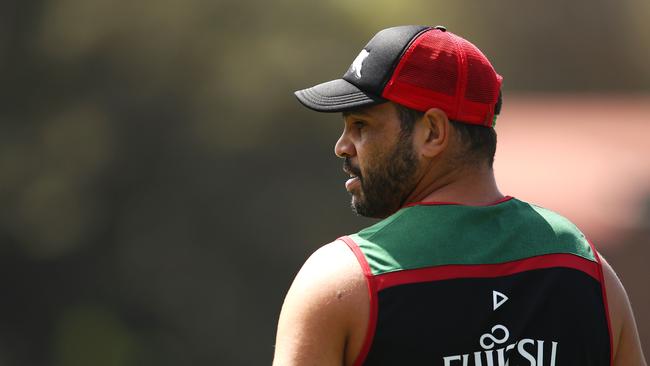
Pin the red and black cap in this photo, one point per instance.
(418, 67)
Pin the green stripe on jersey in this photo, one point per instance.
(433, 235)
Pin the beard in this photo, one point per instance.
(387, 182)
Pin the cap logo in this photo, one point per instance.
(358, 63)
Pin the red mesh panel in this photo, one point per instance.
(428, 76)
(481, 78)
(431, 64)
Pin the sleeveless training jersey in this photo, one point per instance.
(507, 284)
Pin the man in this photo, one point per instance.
(456, 273)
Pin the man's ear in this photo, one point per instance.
(433, 132)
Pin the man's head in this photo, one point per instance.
(419, 103)
(391, 152)
(380, 158)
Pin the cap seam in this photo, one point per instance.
(316, 96)
(337, 102)
(402, 54)
(329, 102)
(334, 98)
(461, 83)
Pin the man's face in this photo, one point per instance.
(380, 159)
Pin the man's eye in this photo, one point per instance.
(359, 124)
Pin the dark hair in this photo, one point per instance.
(480, 141)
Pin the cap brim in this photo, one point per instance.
(336, 96)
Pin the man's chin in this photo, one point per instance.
(358, 206)
(359, 210)
(362, 209)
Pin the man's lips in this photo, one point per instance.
(352, 183)
(354, 174)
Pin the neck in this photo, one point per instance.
(473, 186)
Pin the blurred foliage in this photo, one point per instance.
(161, 186)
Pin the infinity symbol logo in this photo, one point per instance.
(493, 339)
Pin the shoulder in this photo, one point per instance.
(331, 273)
(625, 338)
(549, 226)
(325, 310)
(559, 223)
(333, 263)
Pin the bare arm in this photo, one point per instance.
(325, 312)
(625, 337)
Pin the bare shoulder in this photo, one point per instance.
(323, 310)
(625, 337)
(333, 266)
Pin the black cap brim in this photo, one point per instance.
(336, 96)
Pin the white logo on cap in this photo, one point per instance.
(358, 63)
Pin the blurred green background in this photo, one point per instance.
(160, 185)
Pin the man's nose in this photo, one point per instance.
(344, 147)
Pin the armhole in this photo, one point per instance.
(606, 303)
(372, 295)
